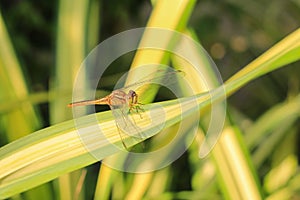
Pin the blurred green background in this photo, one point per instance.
(234, 32)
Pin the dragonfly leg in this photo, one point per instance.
(126, 121)
(120, 134)
(137, 109)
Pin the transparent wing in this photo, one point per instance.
(126, 123)
(165, 77)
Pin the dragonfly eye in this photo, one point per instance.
(132, 93)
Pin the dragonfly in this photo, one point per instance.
(125, 100)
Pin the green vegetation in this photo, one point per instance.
(256, 46)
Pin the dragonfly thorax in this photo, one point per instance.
(119, 98)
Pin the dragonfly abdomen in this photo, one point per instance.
(102, 101)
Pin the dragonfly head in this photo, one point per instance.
(132, 93)
(133, 96)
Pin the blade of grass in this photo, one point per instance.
(104, 183)
(50, 152)
(13, 87)
(233, 163)
(236, 174)
(70, 52)
(241, 185)
(273, 125)
(160, 18)
(272, 120)
(284, 52)
(23, 119)
(42, 156)
(277, 181)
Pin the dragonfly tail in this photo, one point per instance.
(102, 101)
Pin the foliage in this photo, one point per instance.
(42, 47)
